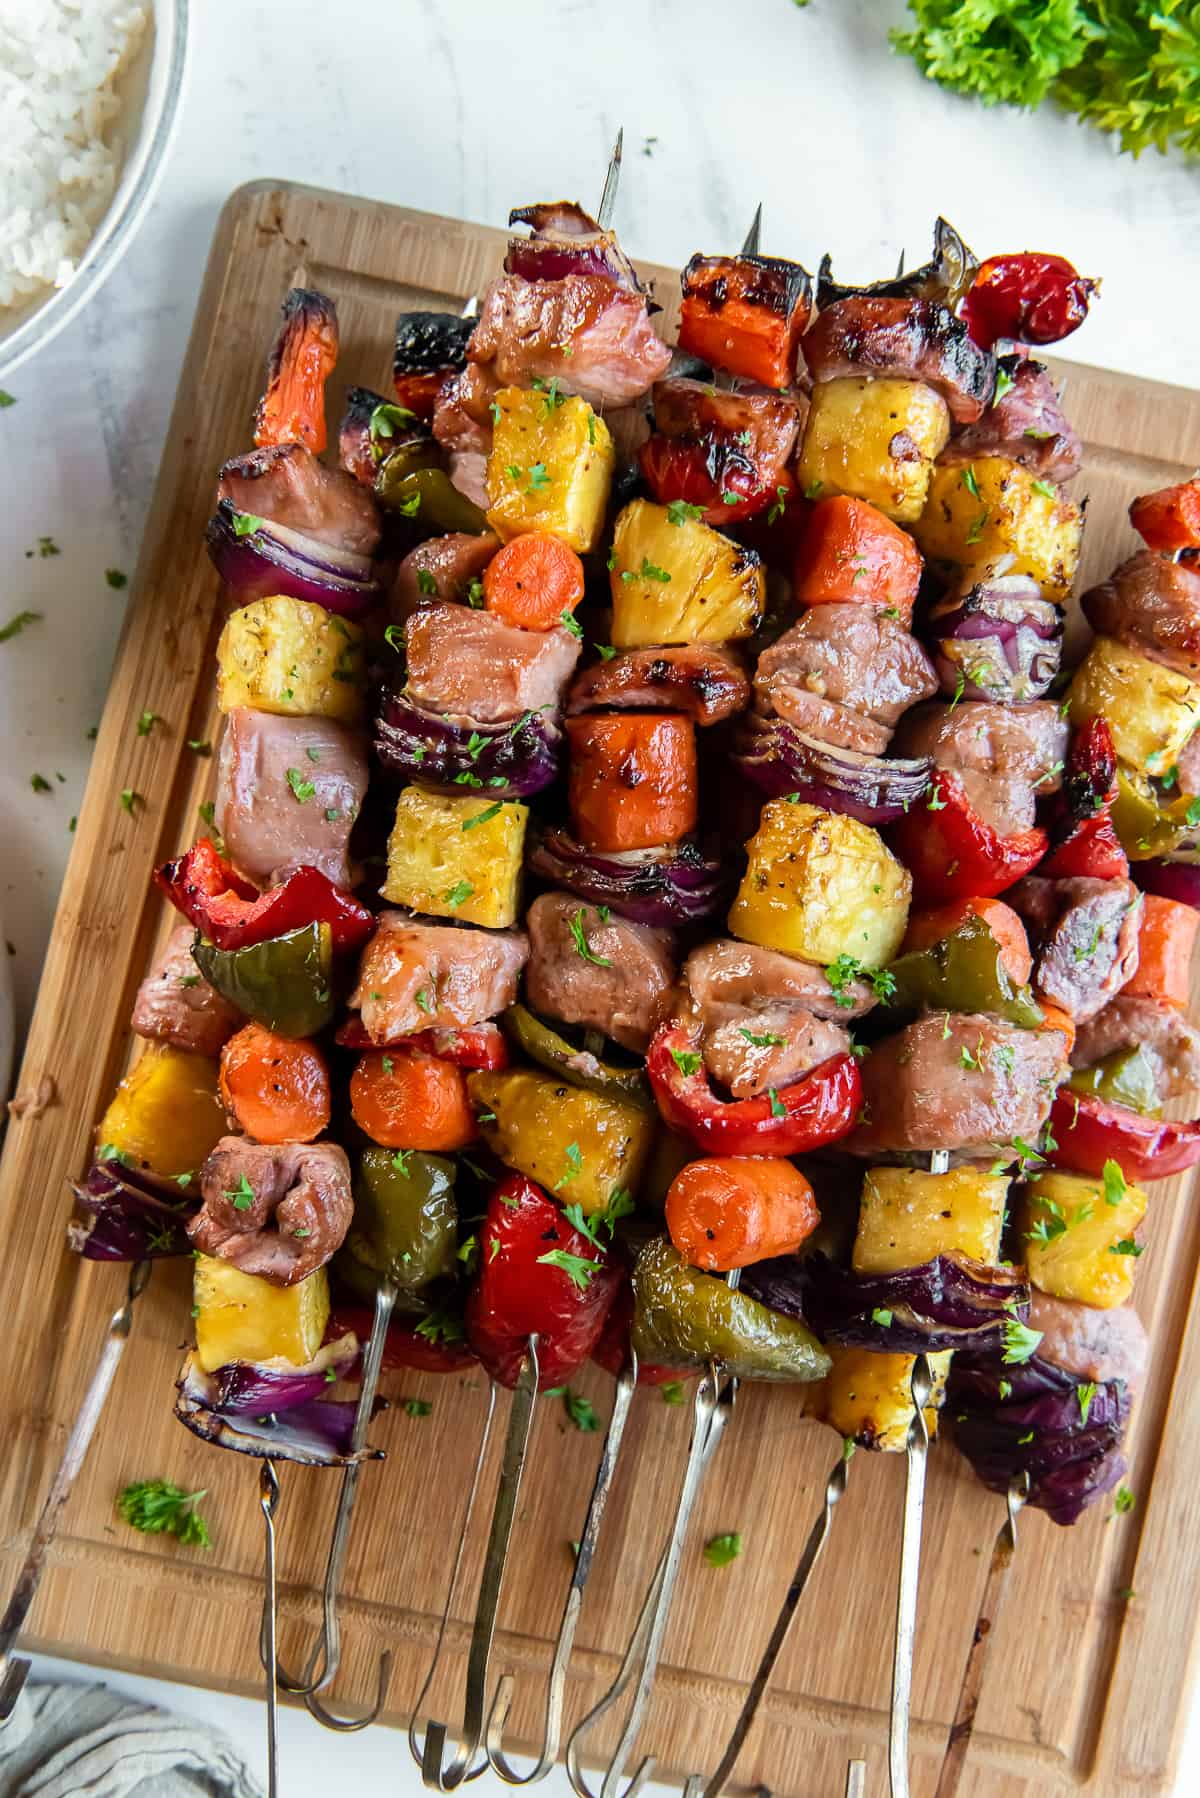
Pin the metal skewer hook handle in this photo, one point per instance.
(13, 1669)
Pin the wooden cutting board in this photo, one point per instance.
(1087, 1685)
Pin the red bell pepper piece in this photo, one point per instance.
(419, 392)
(537, 1276)
(1169, 519)
(482, 1046)
(612, 1350)
(403, 1347)
(952, 854)
(1083, 840)
(233, 914)
(818, 1109)
(1089, 1131)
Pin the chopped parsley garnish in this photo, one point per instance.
(417, 1407)
(570, 623)
(1085, 1394)
(241, 1196)
(1051, 1222)
(383, 422)
(146, 723)
(719, 1551)
(578, 1270)
(778, 505)
(574, 1164)
(40, 784)
(778, 1108)
(129, 799)
(116, 578)
(401, 1157)
(970, 483)
(108, 1151)
(393, 636)
(301, 789)
(1020, 1342)
(1123, 1501)
(649, 571)
(839, 974)
(158, 1508)
(458, 893)
(882, 1318)
(672, 1392)
(1127, 1246)
(484, 817)
(1114, 1183)
(687, 1061)
(679, 512)
(766, 1041)
(426, 583)
(440, 1326)
(199, 746)
(246, 523)
(538, 478)
(17, 623)
(425, 1001)
(582, 947)
(605, 650)
(977, 525)
(1004, 384)
(1044, 488)
(580, 1411)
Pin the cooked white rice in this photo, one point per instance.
(61, 147)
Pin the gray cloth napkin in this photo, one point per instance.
(66, 1740)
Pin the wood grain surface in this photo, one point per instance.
(1086, 1686)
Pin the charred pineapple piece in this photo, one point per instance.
(675, 580)
(1151, 709)
(457, 858)
(581, 1146)
(1078, 1236)
(820, 885)
(550, 468)
(875, 440)
(909, 1216)
(868, 1396)
(993, 511)
(165, 1116)
(293, 657)
(240, 1317)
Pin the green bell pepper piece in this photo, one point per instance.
(427, 496)
(284, 983)
(1150, 824)
(1126, 1077)
(962, 972)
(543, 1044)
(682, 1317)
(405, 1219)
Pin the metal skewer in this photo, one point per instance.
(268, 1498)
(856, 1779)
(818, 1536)
(556, 1688)
(322, 1665)
(917, 1450)
(971, 1690)
(14, 1669)
(612, 181)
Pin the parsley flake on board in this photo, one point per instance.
(17, 624)
(719, 1551)
(580, 1411)
(158, 1508)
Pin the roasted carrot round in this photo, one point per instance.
(727, 1211)
(925, 927)
(404, 1099)
(632, 779)
(1166, 936)
(276, 1087)
(1057, 1017)
(1169, 519)
(533, 581)
(852, 553)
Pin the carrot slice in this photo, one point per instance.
(1057, 1017)
(533, 582)
(632, 782)
(925, 927)
(292, 410)
(1165, 940)
(277, 1088)
(1169, 519)
(727, 1211)
(404, 1099)
(852, 553)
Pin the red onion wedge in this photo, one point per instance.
(507, 760)
(1169, 880)
(674, 884)
(782, 761)
(1000, 641)
(127, 1216)
(948, 1303)
(256, 558)
(565, 240)
(260, 1409)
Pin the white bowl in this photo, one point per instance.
(152, 89)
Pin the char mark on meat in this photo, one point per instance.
(915, 340)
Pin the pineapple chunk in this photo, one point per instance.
(1078, 1236)
(290, 656)
(457, 858)
(240, 1317)
(876, 440)
(680, 583)
(908, 1217)
(550, 468)
(820, 885)
(993, 509)
(581, 1146)
(868, 1396)
(165, 1115)
(1151, 709)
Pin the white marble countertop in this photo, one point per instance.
(466, 107)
